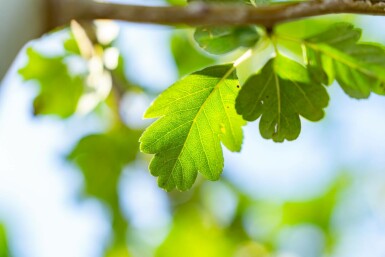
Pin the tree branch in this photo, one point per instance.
(198, 13)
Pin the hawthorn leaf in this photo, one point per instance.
(195, 115)
(336, 54)
(221, 40)
(279, 94)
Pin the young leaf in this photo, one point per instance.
(221, 40)
(196, 114)
(336, 54)
(279, 94)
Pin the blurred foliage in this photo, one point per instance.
(4, 248)
(101, 158)
(221, 40)
(252, 229)
(199, 226)
(183, 48)
(59, 91)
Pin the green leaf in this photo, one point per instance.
(222, 1)
(197, 113)
(336, 54)
(194, 233)
(182, 50)
(101, 159)
(4, 246)
(221, 40)
(59, 91)
(177, 2)
(279, 94)
(71, 46)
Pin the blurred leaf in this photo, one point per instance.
(252, 249)
(101, 158)
(317, 211)
(4, 248)
(59, 91)
(222, 1)
(279, 94)
(118, 251)
(221, 40)
(177, 2)
(197, 113)
(193, 234)
(182, 50)
(305, 28)
(358, 67)
(71, 46)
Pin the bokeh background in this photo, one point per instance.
(73, 184)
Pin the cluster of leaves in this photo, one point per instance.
(202, 111)
(208, 107)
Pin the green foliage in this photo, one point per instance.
(221, 40)
(283, 91)
(196, 114)
(59, 91)
(194, 234)
(222, 1)
(183, 49)
(209, 107)
(279, 94)
(4, 248)
(336, 54)
(101, 158)
(114, 150)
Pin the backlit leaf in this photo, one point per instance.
(336, 54)
(279, 94)
(196, 114)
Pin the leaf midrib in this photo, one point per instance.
(227, 74)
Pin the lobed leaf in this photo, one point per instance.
(279, 94)
(336, 54)
(196, 114)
